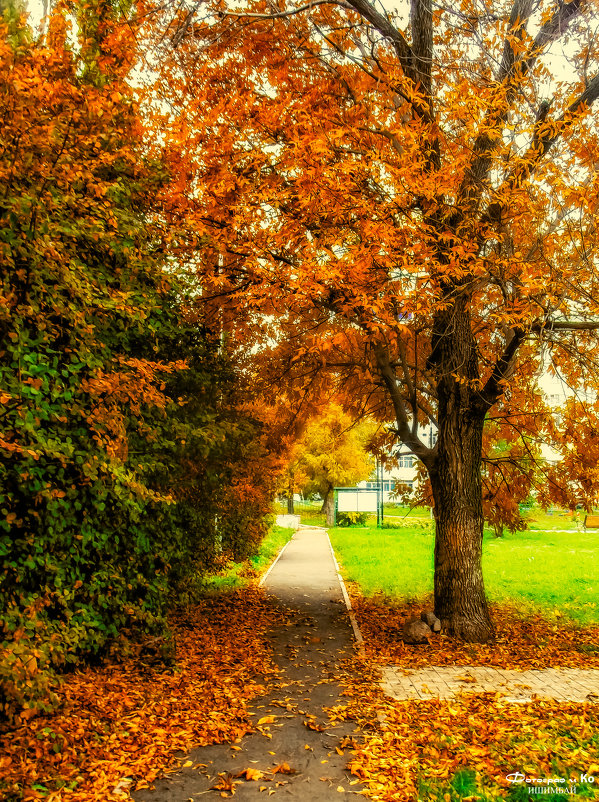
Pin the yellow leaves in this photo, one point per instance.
(225, 785)
(267, 720)
(251, 774)
(313, 725)
(283, 768)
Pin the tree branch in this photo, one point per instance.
(521, 11)
(421, 19)
(510, 69)
(493, 389)
(390, 32)
(552, 30)
(426, 455)
(280, 14)
(566, 325)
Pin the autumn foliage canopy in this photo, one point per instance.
(405, 200)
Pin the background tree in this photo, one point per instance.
(406, 199)
(333, 452)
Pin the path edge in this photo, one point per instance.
(352, 618)
(264, 576)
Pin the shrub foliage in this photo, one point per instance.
(122, 443)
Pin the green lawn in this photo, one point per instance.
(554, 572)
(236, 574)
(309, 512)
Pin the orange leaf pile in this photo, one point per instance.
(129, 720)
(520, 641)
(446, 750)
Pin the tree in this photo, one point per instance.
(332, 452)
(128, 461)
(405, 200)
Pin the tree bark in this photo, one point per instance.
(290, 508)
(455, 476)
(330, 510)
(460, 601)
(328, 507)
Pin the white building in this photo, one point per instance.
(553, 386)
(405, 471)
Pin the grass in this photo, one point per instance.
(309, 512)
(236, 574)
(551, 519)
(556, 573)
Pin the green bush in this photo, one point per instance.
(352, 518)
(123, 459)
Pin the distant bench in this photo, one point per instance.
(591, 522)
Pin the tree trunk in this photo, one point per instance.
(328, 506)
(330, 510)
(455, 476)
(290, 509)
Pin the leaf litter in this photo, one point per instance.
(128, 720)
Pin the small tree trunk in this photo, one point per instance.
(328, 507)
(290, 509)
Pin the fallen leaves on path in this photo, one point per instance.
(128, 720)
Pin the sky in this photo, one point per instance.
(35, 9)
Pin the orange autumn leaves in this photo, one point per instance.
(424, 749)
(128, 719)
(520, 642)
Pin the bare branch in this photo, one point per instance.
(426, 455)
(280, 14)
(566, 325)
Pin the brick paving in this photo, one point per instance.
(445, 682)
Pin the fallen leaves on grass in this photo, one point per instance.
(464, 748)
(128, 720)
(420, 747)
(521, 641)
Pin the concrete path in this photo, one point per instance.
(301, 750)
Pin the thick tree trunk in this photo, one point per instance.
(455, 476)
(460, 600)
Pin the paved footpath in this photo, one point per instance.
(309, 650)
(445, 682)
